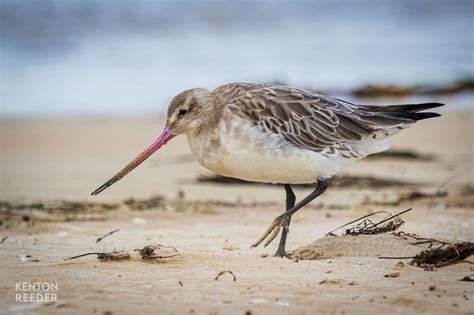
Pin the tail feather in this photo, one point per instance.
(404, 113)
(404, 108)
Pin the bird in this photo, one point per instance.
(278, 134)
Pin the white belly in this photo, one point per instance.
(243, 151)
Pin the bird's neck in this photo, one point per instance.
(209, 116)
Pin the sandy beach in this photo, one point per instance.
(47, 163)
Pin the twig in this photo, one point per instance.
(393, 216)
(421, 240)
(4, 239)
(110, 233)
(365, 216)
(226, 271)
(82, 255)
(115, 255)
(395, 257)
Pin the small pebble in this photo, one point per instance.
(258, 301)
(138, 221)
(283, 303)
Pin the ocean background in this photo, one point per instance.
(131, 57)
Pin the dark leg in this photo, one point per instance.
(290, 203)
(283, 220)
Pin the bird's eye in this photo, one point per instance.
(182, 112)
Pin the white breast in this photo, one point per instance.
(238, 149)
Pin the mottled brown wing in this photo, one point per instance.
(306, 119)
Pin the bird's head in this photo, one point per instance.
(183, 113)
(187, 110)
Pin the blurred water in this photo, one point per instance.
(132, 57)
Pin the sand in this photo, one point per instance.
(47, 159)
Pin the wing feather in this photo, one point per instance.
(305, 119)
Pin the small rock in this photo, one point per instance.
(230, 247)
(258, 301)
(263, 255)
(468, 278)
(283, 303)
(392, 275)
(138, 221)
(432, 287)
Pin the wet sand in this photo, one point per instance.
(66, 158)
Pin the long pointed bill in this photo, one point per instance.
(165, 136)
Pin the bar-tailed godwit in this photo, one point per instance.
(278, 134)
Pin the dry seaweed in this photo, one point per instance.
(444, 255)
(104, 236)
(368, 227)
(56, 210)
(224, 272)
(59, 205)
(106, 256)
(155, 201)
(420, 240)
(148, 252)
(392, 275)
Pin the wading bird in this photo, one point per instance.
(278, 134)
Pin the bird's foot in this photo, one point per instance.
(282, 221)
(281, 252)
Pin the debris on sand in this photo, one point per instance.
(106, 256)
(337, 282)
(368, 227)
(154, 202)
(224, 272)
(3, 239)
(104, 236)
(444, 255)
(392, 275)
(59, 205)
(27, 258)
(57, 210)
(150, 252)
(468, 278)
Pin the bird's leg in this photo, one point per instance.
(283, 220)
(290, 203)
